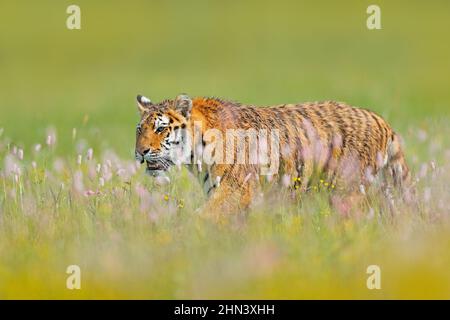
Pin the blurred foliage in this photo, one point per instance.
(259, 52)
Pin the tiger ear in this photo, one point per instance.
(183, 104)
(142, 103)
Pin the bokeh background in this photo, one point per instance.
(259, 52)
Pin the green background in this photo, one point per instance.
(258, 52)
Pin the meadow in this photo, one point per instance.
(72, 194)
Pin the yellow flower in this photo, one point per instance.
(166, 197)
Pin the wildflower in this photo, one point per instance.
(101, 181)
(88, 193)
(37, 147)
(433, 165)
(49, 140)
(79, 158)
(51, 137)
(20, 154)
(98, 168)
(10, 164)
(166, 197)
(106, 172)
(181, 203)
(90, 154)
(34, 164)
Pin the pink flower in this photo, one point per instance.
(90, 154)
(89, 193)
(51, 137)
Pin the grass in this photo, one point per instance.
(134, 239)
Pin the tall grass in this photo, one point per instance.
(134, 238)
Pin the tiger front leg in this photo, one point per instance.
(227, 199)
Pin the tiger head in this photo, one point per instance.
(162, 133)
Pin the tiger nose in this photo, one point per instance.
(140, 155)
(143, 153)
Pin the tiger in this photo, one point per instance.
(317, 141)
